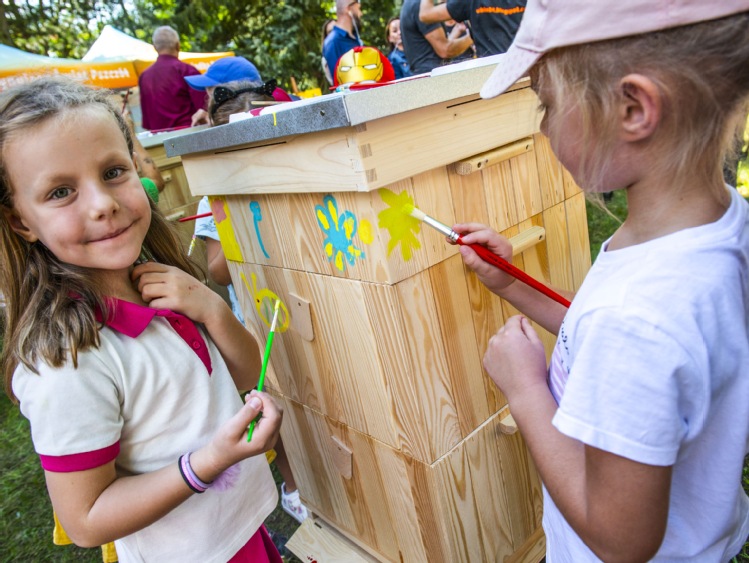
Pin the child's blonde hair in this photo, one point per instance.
(702, 72)
(50, 305)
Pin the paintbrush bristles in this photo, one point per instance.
(414, 212)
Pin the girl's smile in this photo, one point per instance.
(78, 192)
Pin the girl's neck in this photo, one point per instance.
(119, 285)
(657, 208)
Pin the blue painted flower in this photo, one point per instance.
(339, 230)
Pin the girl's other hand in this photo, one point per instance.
(167, 287)
(475, 233)
(515, 358)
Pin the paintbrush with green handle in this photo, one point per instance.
(266, 358)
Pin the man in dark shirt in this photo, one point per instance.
(345, 34)
(166, 101)
(426, 45)
(494, 23)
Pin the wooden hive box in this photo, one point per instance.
(396, 437)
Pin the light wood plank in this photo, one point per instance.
(485, 159)
(558, 246)
(431, 191)
(500, 197)
(315, 542)
(577, 229)
(454, 483)
(383, 309)
(398, 491)
(459, 342)
(431, 370)
(489, 489)
(327, 161)
(479, 124)
(468, 197)
(527, 191)
(550, 175)
(374, 519)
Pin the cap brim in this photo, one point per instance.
(199, 81)
(513, 65)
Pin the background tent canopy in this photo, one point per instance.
(113, 43)
(18, 66)
(114, 61)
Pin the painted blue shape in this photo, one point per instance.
(257, 216)
(339, 229)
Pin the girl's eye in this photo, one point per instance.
(60, 193)
(113, 173)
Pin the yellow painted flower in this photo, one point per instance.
(402, 227)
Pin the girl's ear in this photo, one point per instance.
(641, 107)
(18, 226)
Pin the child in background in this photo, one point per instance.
(237, 97)
(127, 373)
(640, 428)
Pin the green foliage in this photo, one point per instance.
(282, 38)
(603, 221)
(25, 511)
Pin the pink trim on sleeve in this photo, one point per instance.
(80, 462)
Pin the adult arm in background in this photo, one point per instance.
(452, 45)
(429, 13)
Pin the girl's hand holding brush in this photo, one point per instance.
(475, 233)
(229, 444)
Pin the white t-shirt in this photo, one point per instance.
(652, 364)
(156, 388)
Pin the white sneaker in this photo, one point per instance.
(292, 504)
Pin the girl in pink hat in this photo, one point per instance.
(640, 424)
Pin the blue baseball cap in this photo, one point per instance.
(225, 70)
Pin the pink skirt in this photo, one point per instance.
(260, 549)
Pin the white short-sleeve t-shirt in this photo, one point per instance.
(652, 364)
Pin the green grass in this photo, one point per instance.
(26, 513)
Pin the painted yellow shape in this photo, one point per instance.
(222, 217)
(323, 219)
(365, 232)
(265, 301)
(402, 227)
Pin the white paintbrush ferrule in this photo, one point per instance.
(417, 213)
(441, 227)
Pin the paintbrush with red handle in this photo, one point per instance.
(486, 255)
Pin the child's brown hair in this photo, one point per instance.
(50, 305)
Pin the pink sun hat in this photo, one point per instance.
(550, 24)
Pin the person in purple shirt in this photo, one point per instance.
(166, 101)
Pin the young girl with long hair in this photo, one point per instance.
(126, 365)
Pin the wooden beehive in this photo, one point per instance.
(396, 437)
